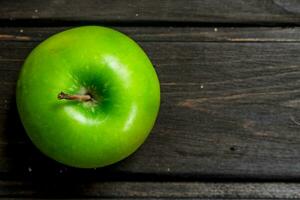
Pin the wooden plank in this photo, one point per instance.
(157, 12)
(45, 198)
(177, 190)
(229, 110)
(169, 34)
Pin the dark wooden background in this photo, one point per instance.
(229, 124)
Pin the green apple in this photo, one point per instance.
(88, 97)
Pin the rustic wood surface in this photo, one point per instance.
(159, 12)
(229, 122)
(161, 190)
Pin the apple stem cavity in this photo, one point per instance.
(78, 97)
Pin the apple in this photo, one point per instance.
(88, 97)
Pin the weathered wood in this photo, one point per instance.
(122, 198)
(172, 190)
(229, 110)
(153, 12)
(169, 34)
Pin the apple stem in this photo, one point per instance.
(79, 97)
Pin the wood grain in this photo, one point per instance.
(169, 34)
(230, 110)
(159, 12)
(139, 190)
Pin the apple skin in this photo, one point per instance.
(93, 60)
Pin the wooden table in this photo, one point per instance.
(229, 124)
